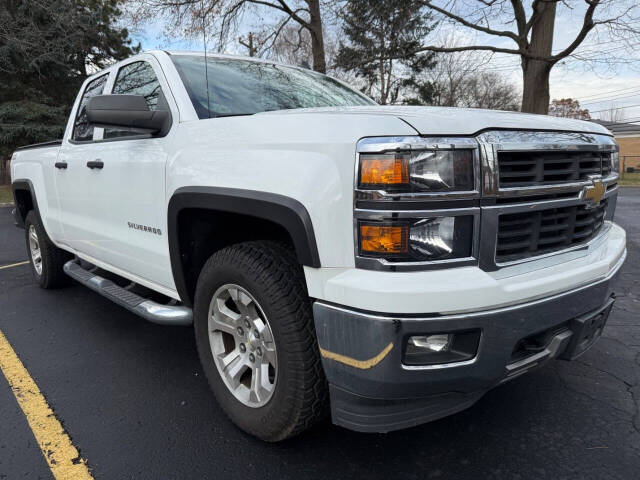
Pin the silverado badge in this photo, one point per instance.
(594, 192)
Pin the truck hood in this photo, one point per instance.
(459, 121)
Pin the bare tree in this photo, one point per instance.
(568, 108)
(451, 71)
(532, 33)
(489, 90)
(478, 89)
(221, 17)
(464, 79)
(291, 46)
(252, 43)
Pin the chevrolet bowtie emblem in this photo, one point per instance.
(595, 192)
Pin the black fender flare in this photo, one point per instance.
(20, 212)
(284, 211)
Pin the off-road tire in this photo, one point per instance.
(271, 273)
(53, 258)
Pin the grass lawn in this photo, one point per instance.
(630, 179)
(6, 196)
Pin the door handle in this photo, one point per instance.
(62, 165)
(95, 164)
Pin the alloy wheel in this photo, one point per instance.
(242, 345)
(34, 248)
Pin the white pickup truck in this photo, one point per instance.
(394, 263)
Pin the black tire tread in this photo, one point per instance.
(275, 267)
(53, 258)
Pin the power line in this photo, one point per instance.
(610, 99)
(584, 53)
(604, 98)
(615, 49)
(595, 45)
(610, 91)
(617, 108)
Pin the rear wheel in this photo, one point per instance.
(256, 340)
(45, 258)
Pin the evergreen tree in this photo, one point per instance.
(47, 49)
(383, 37)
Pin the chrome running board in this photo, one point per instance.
(147, 309)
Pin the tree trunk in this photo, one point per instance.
(383, 91)
(535, 92)
(535, 73)
(317, 37)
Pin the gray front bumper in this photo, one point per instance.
(372, 390)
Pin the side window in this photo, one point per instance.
(136, 78)
(82, 131)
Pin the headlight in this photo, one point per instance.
(433, 237)
(418, 171)
(417, 240)
(615, 162)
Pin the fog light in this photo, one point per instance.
(433, 343)
(441, 348)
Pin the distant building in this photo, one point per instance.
(628, 137)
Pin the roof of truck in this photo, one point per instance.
(226, 55)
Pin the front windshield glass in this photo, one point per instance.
(243, 87)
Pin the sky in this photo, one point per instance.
(612, 80)
(598, 85)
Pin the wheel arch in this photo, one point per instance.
(284, 214)
(24, 196)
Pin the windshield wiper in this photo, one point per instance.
(218, 115)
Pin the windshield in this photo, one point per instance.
(243, 87)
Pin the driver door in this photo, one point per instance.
(124, 205)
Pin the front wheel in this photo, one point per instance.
(256, 340)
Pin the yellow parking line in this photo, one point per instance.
(14, 265)
(63, 458)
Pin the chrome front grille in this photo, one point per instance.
(544, 185)
(549, 167)
(524, 235)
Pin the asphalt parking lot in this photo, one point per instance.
(135, 403)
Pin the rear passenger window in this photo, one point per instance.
(82, 131)
(136, 78)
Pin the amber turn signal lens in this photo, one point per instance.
(384, 239)
(384, 170)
